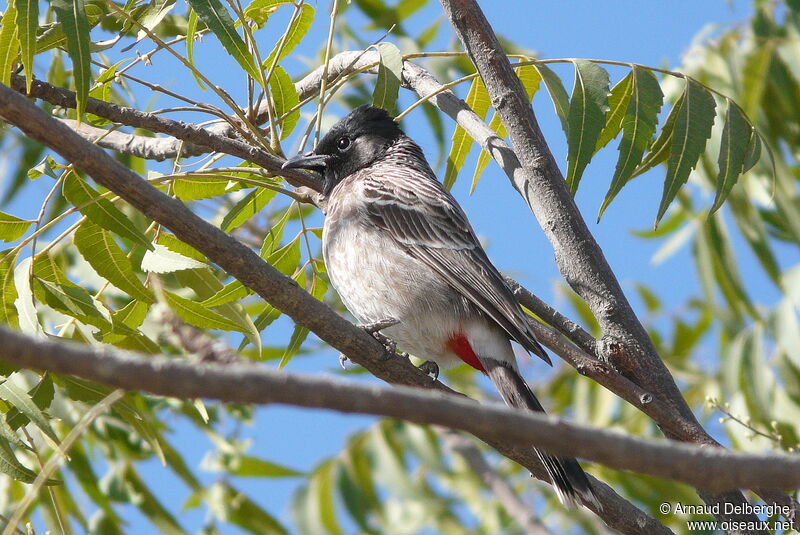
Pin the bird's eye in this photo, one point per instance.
(343, 143)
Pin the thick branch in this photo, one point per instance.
(275, 288)
(711, 468)
(581, 262)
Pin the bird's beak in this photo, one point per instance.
(310, 161)
(313, 162)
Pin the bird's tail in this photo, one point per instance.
(568, 478)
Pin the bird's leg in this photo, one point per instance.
(430, 368)
(374, 328)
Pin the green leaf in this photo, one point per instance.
(219, 21)
(478, 100)
(617, 105)
(247, 466)
(73, 301)
(109, 261)
(12, 227)
(149, 505)
(755, 76)
(10, 466)
(196, 314)
(692, 129)
(9, 43)
(22, 401)
(101, 211)
(205, 284)
(274, 236)
(8, 291)
(175, 245)
(659, 149)
(531, 80)
(247, 207)
(27, 25)
(299, 336)
(390, 74)
(735, 139)
(242, 511)
(294, 34)
(133, 314)
(557, 94)
(260, 10)
(197, 187)
(163, 260)
(324, 495)
(191, 33)
(586, 118)
(753, 153)
(284, 97)
(72, 16)
(638, 127)
(27, 317)
(286, 258)
(233, 291)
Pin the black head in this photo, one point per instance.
(355, 142)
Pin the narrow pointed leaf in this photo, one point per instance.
(8, 291)
(9, 43)
(72, 16)
(753, 152)
(163, 260)
(294, 34)
(73, 301)
(214, 14)
(247, 207)
(177, 246)
(531, 79)
(586, 118)
(10, 465)
(478, 100)
(12, 227)
(22, 401)
(617, 105)
(26, 311)
(198, 187)
(638, 127)
(557, 94)
(659, 149)
(284, 98)
(101, 211)
(27, 25)
(735, 138)
(191, 32)
(755, 76)
(260, 10)
(692, 130)
(233, 291)
(196, 314)
(98, 247)
(390, 74)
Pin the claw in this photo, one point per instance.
(342, 360)
(430, 368)
(375, 329)
(377, 326)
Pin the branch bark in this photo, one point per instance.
(275, 288)
(625, 343)
(710, 468)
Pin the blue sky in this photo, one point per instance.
(645, 31)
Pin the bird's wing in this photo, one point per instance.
(424, 219)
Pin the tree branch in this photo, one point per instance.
(278, 290)
(710, 468)
(521, 512)
(625, 343)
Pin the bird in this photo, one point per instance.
(405, 261)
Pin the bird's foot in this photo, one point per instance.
(375, 329)
(430, 368)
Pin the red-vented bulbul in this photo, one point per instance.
(398, 246)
